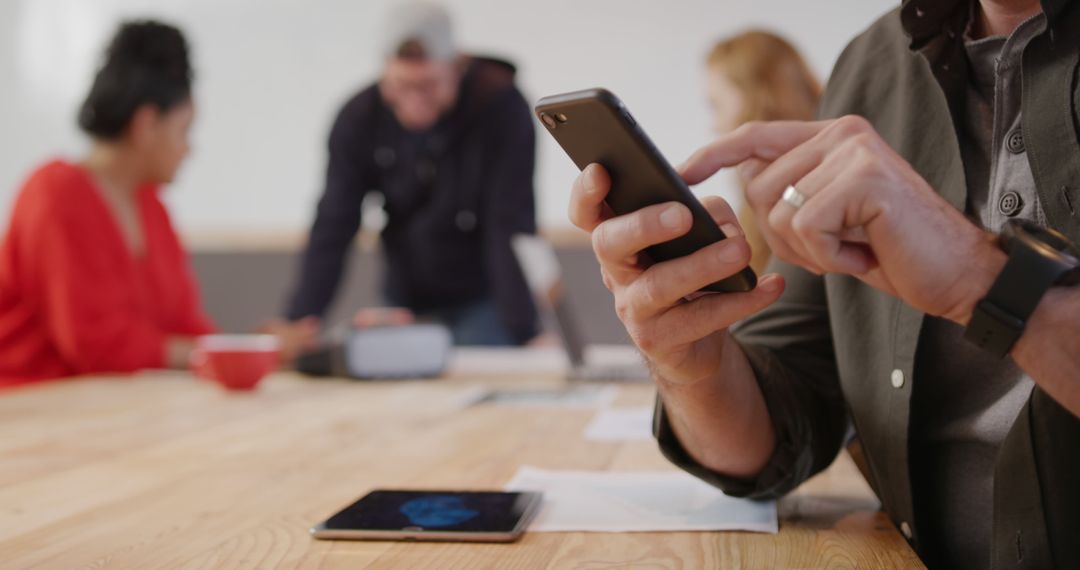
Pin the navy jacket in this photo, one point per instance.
(454, 196)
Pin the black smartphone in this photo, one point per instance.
(466, 516)
(594, 126)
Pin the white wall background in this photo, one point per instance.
(272, 73)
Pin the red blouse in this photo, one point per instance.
(73, 298)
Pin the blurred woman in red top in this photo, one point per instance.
(92, 276)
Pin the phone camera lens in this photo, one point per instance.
(562, 118)
(548, 120)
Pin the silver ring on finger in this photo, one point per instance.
(793, 197)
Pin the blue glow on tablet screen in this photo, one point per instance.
(437, 511)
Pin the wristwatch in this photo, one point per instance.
(1039, 258)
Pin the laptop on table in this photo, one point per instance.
(544, 275)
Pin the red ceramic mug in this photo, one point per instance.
(237, 362)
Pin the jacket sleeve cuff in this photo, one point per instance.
(789, 465)
(765, 486)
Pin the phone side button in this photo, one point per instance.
(629, 118)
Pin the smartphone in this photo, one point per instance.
(594, 126)
(456, 516)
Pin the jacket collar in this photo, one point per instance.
(925, 20)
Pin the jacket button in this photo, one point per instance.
(897, 378)
(905, 529)
(1010, 204)
(385, 157)
(465, 220)
(1015, 141)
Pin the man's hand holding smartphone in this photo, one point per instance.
(657, 255)
(682, 333)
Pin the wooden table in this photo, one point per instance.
(162, 471)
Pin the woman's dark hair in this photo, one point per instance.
(146, 63)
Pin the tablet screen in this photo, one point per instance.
(449, 511)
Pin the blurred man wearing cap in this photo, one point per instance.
(448, 141)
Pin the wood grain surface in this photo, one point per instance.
(164, 471)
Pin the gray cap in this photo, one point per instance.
(425, 24)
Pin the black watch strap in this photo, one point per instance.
(999, 318)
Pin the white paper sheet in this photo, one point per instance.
(583, 396)
(533, 360)
(663, 501)
(487, 360)
(621, 424)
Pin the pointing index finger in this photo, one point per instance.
(765, 141)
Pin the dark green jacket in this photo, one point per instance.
(834, 348)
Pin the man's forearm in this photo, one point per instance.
(722, 421)
(317, 283)
(323, 260)
(1049, 350)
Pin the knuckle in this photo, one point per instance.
(645, 339)
(749, 129)
(857, 123)
(623, 309)
(600, 240)
(865, 154)
(646, 225)
(751, 168)
(850, 125)
(863, 150)
(801, 225)
(777, 220)
(605, 277)
(846, 152)
(756, 195)
(636, 224)
(865, 140)
(648, 290)
(863, 162)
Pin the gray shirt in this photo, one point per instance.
(964, 400)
